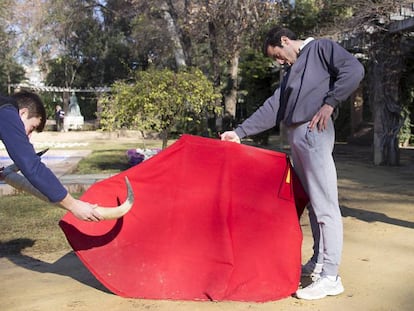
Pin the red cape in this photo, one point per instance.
(212, 220)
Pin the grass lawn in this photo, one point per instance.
(104, 161)
(27, 222)
(110, 158)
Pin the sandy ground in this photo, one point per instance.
(377, 270)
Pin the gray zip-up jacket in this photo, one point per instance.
(324, 73)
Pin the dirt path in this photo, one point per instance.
(377, 269)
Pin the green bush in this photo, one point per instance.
(160, 101)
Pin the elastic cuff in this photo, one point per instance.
(239, 131)
(330, 269)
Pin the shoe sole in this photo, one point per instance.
(333, 293)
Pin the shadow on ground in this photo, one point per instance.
(68, 265)
(369, 216)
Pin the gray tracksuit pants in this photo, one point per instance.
(314, 164)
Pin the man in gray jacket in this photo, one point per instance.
(320, 75)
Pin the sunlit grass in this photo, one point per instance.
(28, 222)
(103, 161)
(109, 157)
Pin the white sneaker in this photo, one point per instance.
(313, 270)
(321, 288)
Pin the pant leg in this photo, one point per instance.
(313, 161)
(317, 256)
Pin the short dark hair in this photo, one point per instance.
(34, 105)
(274, 35)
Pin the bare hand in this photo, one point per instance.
(230, 136)
(86, 211)
(321, 118)
(80, 209)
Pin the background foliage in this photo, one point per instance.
(88, 43)
(161, 101)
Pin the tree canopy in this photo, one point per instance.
(160, 101)
(83, 43)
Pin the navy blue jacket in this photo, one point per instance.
(22, 153)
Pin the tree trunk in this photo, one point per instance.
(175, 36)
(215, 58)
(164, 137)
(65, 100)
(8, 83)
(385, 74)
(230, 100)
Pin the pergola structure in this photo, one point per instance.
(66, 91)
(57, 89)
(385, 52)
(403, 20)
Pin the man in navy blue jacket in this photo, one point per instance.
(20, 115)
(320, 75)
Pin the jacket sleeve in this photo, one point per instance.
(262, 119)
(346, 70)
(22, 153)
